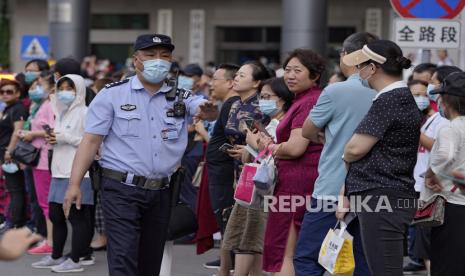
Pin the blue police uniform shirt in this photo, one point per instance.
(139, 136)
(339, 110)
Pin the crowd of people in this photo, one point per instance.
(368, 134)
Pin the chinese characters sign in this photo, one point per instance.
(165, 22)
(427, 33)
(373, 21)
(197, 37)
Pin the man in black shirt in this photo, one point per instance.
(220, 165)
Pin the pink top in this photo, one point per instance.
(44, 116)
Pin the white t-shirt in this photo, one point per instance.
(431, 129)
(448, 155)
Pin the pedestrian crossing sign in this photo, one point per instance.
(34, 47)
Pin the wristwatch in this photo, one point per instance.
(343, 159)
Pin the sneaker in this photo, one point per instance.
(412, 268)
(68, 266)
(4, 227)
(42, 248)
(48, 262)
(87, 260)
(212, 265)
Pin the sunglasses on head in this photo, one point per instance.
(7, 91)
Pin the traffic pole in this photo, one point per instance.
(69, 24)
(304, 26)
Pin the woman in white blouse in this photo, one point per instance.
(448, 156)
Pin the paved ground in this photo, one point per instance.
(186, 263)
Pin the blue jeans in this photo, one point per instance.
(411, 244)
(315, 226)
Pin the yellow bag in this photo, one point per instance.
(336, 253)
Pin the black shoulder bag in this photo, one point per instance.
(26, 153)
(182, 220)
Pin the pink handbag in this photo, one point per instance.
(246, 192)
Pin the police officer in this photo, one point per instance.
(145, 135)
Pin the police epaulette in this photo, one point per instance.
(183, 93)
(116, 83)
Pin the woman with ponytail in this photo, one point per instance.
(381, 157)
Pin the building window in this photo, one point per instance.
(240, 44)
(241, 34)
(120, 21)
(273, 34)
(116, 53)
(250, 34)
(339, 34)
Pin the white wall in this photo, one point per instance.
(29, 17)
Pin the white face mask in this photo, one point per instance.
(10, 167)
(360, 71)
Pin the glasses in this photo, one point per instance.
(266, 96)
(7, 91)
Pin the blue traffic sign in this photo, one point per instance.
(34, 47)
(433, 9)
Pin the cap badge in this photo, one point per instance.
(156, 39)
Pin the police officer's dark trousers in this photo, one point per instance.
(136, 222)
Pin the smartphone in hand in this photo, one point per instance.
(250, 124)
(225, 147)
(243, 126)
(47, 129)
(260, 127)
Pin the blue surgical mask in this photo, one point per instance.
(365, 83)
(29, 77)
(185, 82)
(10, 167)
(37, 95)
(66, 97)
(441, 110)
(430, 88)
(156, 70)
(268, 107)
(422, 102)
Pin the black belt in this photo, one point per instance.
(139, 181)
